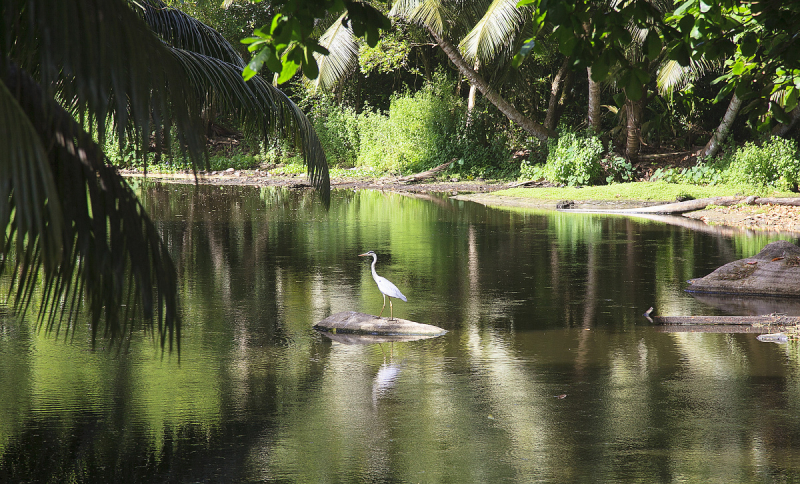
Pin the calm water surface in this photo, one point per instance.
(548, 373)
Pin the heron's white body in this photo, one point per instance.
(384, 285)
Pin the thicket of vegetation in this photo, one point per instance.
(513, 90)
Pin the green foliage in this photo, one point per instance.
(285, 45)
(529, 171)
(774, 164)
(575, 160)
(389, 55)
(479, 149)
(700, 174)
(410, 138)
(618, 169)
(337, 128)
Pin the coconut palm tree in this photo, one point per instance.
(71, 71)
(489, 35)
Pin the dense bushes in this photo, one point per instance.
(577, 159)
(420, 130)
(413, 134)
(774, 164)
(572, 160)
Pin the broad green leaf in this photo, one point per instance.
(748, 44)
(642, 75)
(288, 71)
(678, 52)
(685, 7)
(779, 113)
(652, 44)
(686, 24)
(310, 68)
(599, 69)
(791, 98)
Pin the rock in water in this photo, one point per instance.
(351, 322)
(775, 271)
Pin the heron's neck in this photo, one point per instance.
(374, 260)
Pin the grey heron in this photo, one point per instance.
(386, 287)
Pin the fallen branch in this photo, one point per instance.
(767, 319)
(699, 204)
(528, 183)
(425, 174)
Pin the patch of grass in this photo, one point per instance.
(644, 191)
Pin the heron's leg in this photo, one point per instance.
(384, 305)
(391, 310)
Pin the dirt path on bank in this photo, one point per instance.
(755, 217)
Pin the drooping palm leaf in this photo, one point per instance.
(673, 77)
(260, 106)
(431, 14)
(494, 32)
(186, 32)
(100, 56)
(76, 226)
(342, 59)
(214, 70)
(111, 254)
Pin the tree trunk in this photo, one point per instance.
(712, 147)
(532, 127)
(783, 129)
(593, 113)
(551, 119)
(472, 94)
(634, 111)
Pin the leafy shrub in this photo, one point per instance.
(575, 160)
(411, 136)
(337, 128)
(700, 174)
(529, 171)
(480, 150)
(774, 164)
(618, 169)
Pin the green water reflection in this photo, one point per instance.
(548, 371)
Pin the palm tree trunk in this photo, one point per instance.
(553, 113)
(529, 125)
(471, 97)
(634, 111)
(783, 129)
(593, 113)
(712, 147)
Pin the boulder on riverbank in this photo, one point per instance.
(775, 271)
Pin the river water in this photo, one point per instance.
(548, 372)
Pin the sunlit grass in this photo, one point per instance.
(645, 191)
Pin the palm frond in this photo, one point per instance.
(494, 32)
(431, 14)
(186, 32)
(111, 256)
(28, 193)
(342, 59)
(100, 56)
(260, 106)
(673, 77)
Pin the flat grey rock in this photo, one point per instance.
(351, 322)
(775, 271)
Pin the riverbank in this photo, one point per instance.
(776, 218)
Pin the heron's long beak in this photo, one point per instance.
(362, 255)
